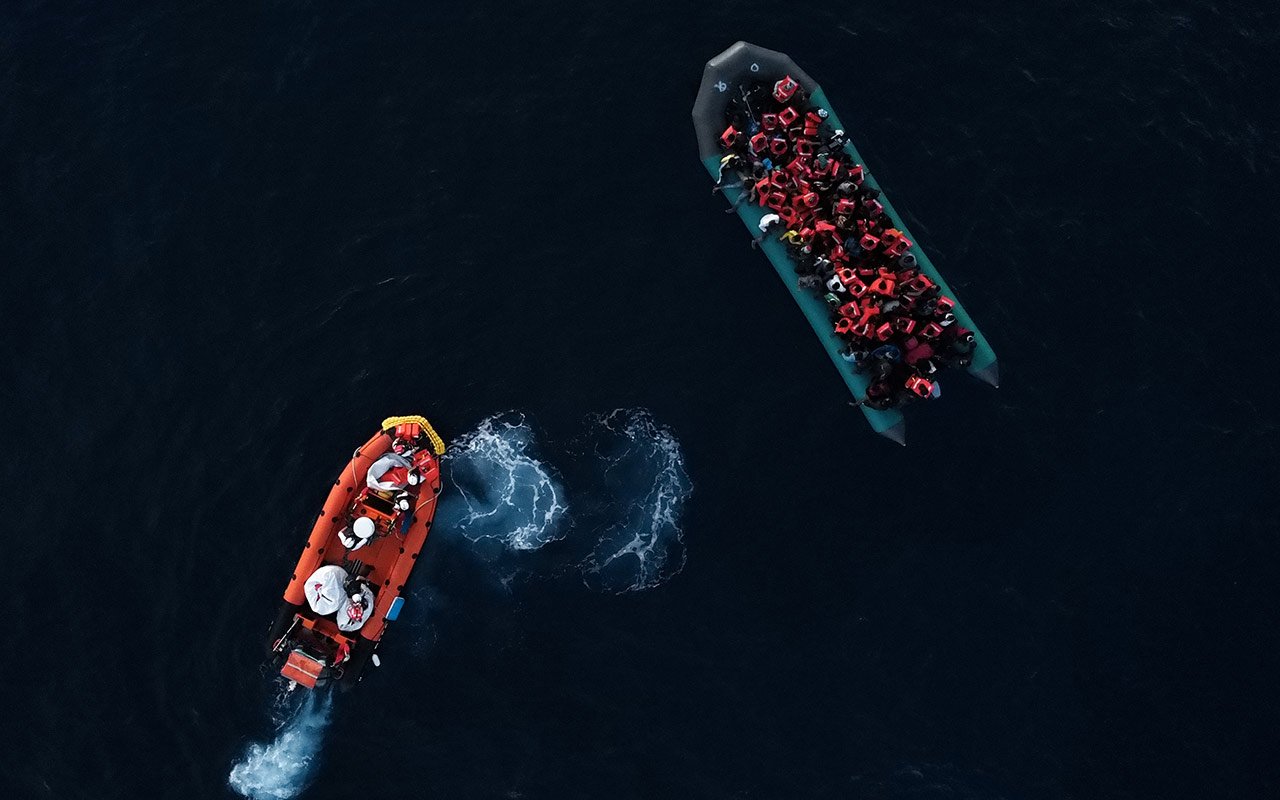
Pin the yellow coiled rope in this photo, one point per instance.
(437, 444)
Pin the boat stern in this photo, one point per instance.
(303, 668)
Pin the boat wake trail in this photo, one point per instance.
(282, 768)
(505, 493)
(626, 483)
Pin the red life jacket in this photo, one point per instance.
(855, 174)
(851, 309)
(759, 142)
(921, 283)
(811, 123)
(787, 116)
(869, 242)
(846, 207)
(810, 199)
(769, 121)
(730, 136)
(870, 310)
(804, 147)
(778, 146)
(882, 286)
(921, 387)
(884, 332)
(904, 325)
(784, 89)
(788, 215)
(945, 304)
(931, 331)
(844, 325)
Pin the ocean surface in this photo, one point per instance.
(672, 561)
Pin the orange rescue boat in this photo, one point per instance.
(347, 586)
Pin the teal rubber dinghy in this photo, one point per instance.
(741, 70)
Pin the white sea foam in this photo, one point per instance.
(644, 471)
(281, 769)
(628, 486)
(500, 490)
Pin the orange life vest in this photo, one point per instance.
(409, 431)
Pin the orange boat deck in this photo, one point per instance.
(386, 561)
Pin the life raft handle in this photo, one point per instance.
(437, 444)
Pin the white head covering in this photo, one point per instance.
(363, 527)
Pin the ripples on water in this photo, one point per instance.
(629, 485)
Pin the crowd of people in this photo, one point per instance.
(897, 326)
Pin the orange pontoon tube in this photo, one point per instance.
(348, 583)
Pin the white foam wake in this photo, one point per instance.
(281, 769)
(645, 471)
(508, 494)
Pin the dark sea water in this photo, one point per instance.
(236, 236)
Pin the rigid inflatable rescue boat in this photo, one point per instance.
(874, 258)
(347, 586)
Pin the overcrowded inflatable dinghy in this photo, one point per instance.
(768, 135)
(348, 584)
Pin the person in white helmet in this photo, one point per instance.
(358, 534)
